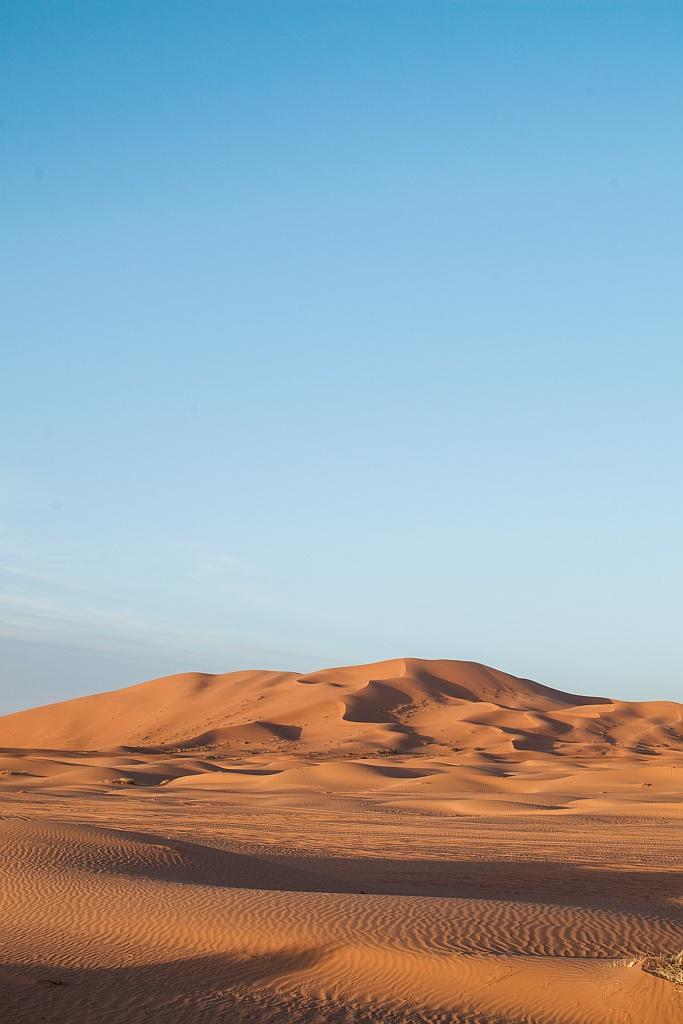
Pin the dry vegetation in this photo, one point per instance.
(668, 967)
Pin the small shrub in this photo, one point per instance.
(667, 966)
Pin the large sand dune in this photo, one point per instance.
(402, 705)
(412, 841)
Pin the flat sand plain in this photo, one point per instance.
(404, 842)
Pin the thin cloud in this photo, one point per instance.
(31, 574)
(42, 621)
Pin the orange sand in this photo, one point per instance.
(410, 841)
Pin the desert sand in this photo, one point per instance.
(409, 841)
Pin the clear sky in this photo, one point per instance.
(339, 331)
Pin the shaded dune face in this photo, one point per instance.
(49, 848)
(395, 706)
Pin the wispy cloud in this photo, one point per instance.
(33, 620)
(51, 601)
(40, 617)
(30, 574)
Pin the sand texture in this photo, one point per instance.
(410, 841)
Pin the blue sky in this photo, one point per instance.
(340, 331)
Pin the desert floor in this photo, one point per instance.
(150, 888)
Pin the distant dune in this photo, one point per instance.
(400, 706)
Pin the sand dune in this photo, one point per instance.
(412, 841)
(396, 706)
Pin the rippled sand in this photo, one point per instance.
(191, 904)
